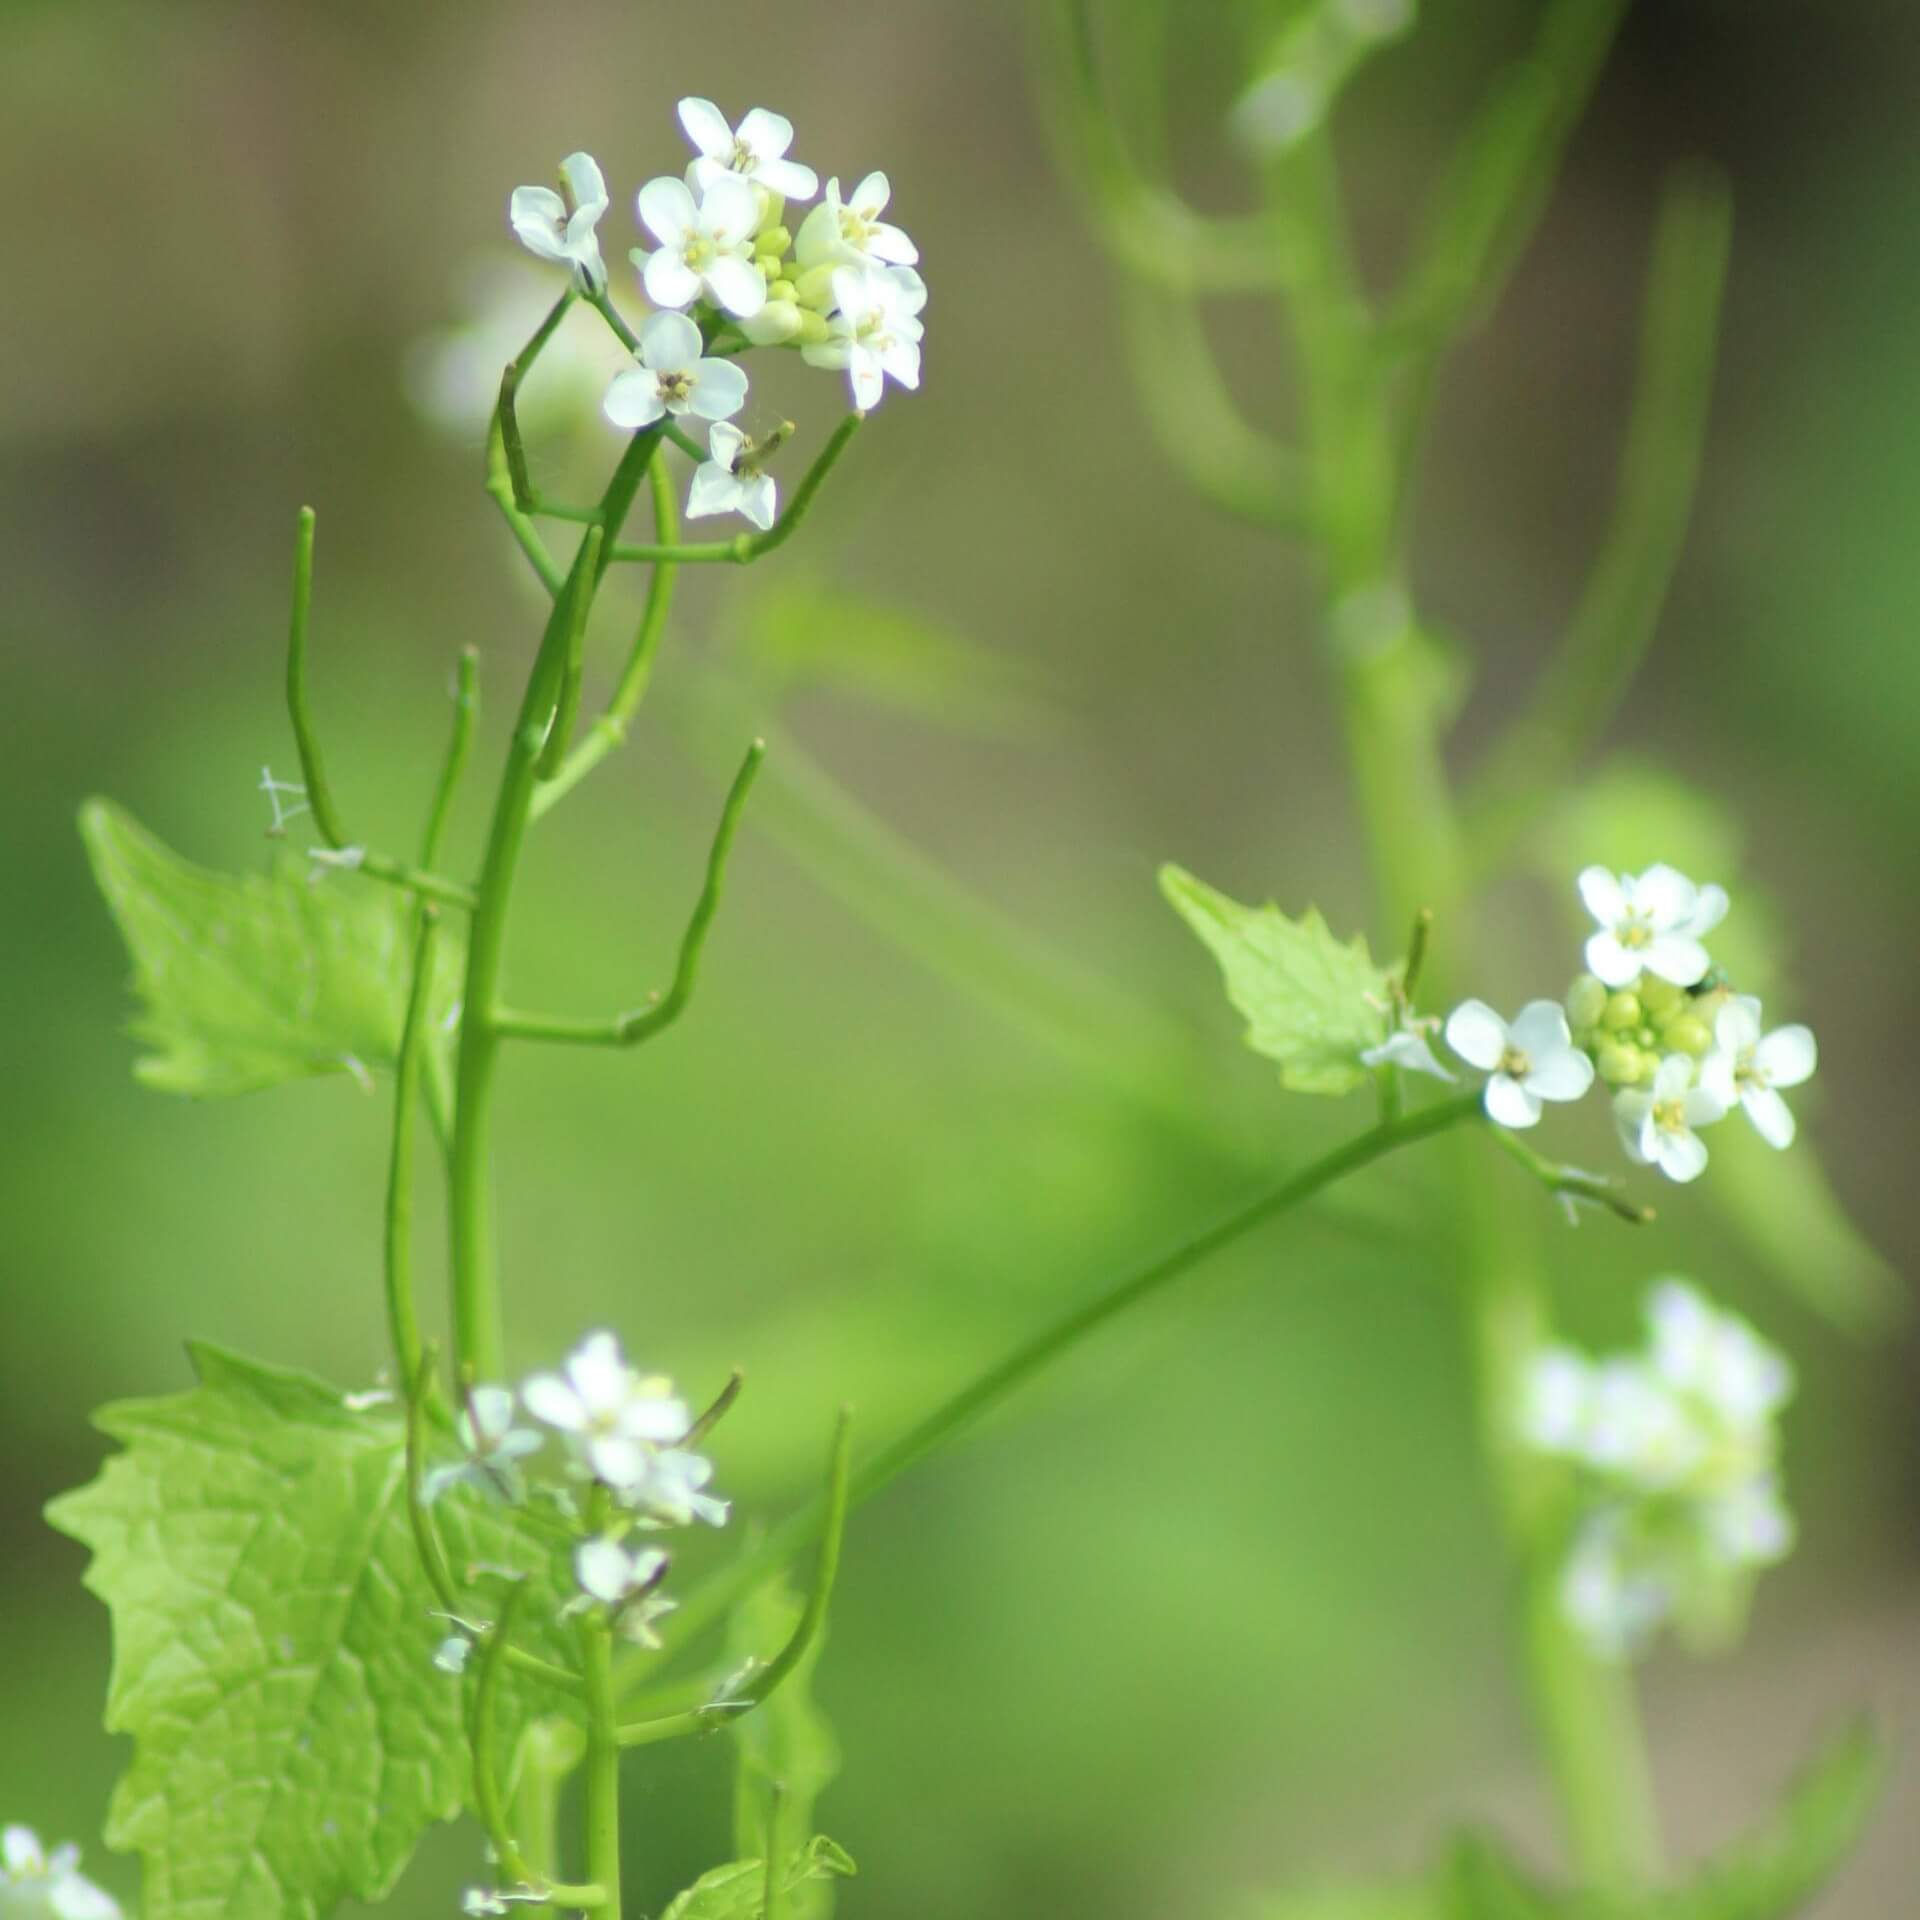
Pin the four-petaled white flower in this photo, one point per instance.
(706, 245)
(1749, 1066)
(850, 232)
(626, 1582)
(32, 1881)
(672, 377)
(1657, 1123)
(615, 1417)
(670, 1490)
(875, 334)
(1531, 1060)
(492, 1443)
(755, 150)
(730, 482)
(548, 226)
(1650, 922)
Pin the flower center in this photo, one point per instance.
(676, 387)
(1515, 1063)
(744, 160)
(1634, 932)
(699, 250)
(1670, 1116)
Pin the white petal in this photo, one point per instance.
(1555, 1401)
(1771, 1116)
(901, 359)
(603, 1569)
(1787, 1056)
(20, 1850)
(854, 291)
(1672, 1077)
(758, 501)
(1477, 1034)
(831, 354)
(1737, 1026)
(1603, 895)
(73, 1898)
(730, 211)
(724, 441)
(866, 378)
(1407, 1050)
(1702, 1106)
(818, 240)
(669, 342)
(633, 400)
(714, 490)
(1666, 897)
(738, 285)
(618, 1461)
(1540, 1028)
(667, 210)
(585, 181)
(769, 134)
(491, 1415)
(869, 199)
(669, 281)
(707, 127)
(1709, 910)
(1719, 1074)
(1509, 1103)
(891, 245)
(1681, 1156)
(1564, 1074)
(1675, 957)
(546, 1396)
(1617, 966)
(911, 292)
(1631, 1112)
(719, 389)
(788, 178)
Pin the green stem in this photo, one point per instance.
(603, 1763)
(466, 711)
(630, 1029)
(716, 1596)
(403, 1320)
(509, 419)
(567, 706)
(476, 1300)
(313, 772)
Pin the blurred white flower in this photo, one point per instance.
(452, 1654)
(1532, 1060)
(1749, 1066)
(1650, 922)
(1716, 1357)
(874, 332)
(670, 1490)
(492, 1443)
(729, 482)
(706, 245)
(850, 232)
(755, 149)
(1657, 1123)
(1409, 1048)
(615, 1418)
(563, 230)
(626, 1582)
(34, 1882)
(673, 377)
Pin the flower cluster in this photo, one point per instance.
(1653, 1019)
(36, 1883)
(727, 273)
(1675, 1449)
(625, 1433)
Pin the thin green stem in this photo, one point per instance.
(509, 420)
(525, 533)
(1572, 1184)
(610, 730)
(476, 1300)
(313, 772)
(603, 1763)
(567, 707)
(715, 1597)
(550, 1752)
(744, 547)
(466, 712)
(426, 1536)
(403, 1320)
(602, 304)
(630, 1029)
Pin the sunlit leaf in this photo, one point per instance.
(1311, 1003)
(737, 1891)
(249, 980)
(273, 1643)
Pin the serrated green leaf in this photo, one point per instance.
(785, 1744)
(249, 980)
(1311, 1003)
(738, 1890)
(273, 1643)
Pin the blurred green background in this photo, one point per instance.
(1220, 1608)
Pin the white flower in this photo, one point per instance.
(1657, 1123)
(672, 377)
(1749, 1525)
(614, 1416)
(1532, 1060)
(850, 232)
(1407, 1047)
(1652, 922)
(755, 149)
(35, 1882)
(451, 1655)
(1614, 1595)
(670, 1490)
(1717, 1357)
(875, 332)
(547, 225)
(479, 1901)
(729, 482)
(1749, 1066)
(492, 1442)
(706, 246)
(625, 1582)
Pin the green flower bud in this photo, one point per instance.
(1689, 1035)
(1648, 1037)
(1620, 1064)
(1657, 995)
(782, 290)
(1586, 1002)
(773, 240)
(815, 289)
(1623, 1011)
(813, 327)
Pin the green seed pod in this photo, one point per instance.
(1586, 1002)
(1623, 1011)
(1690, 1036)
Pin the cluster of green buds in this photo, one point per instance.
(1627, 1031)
